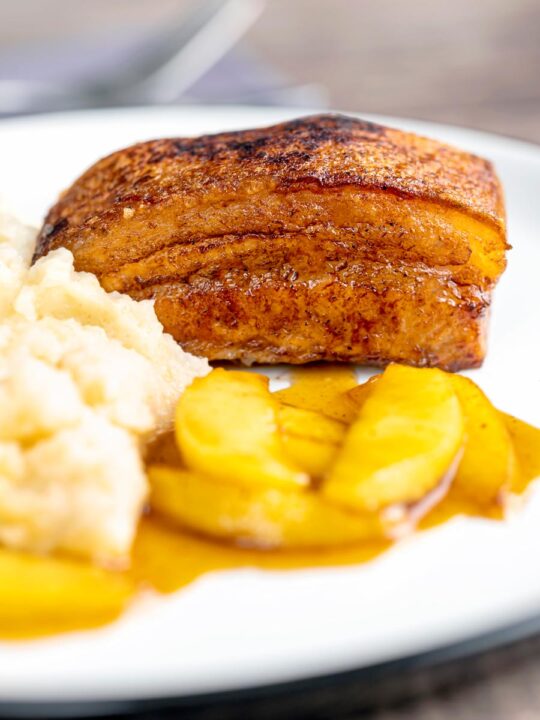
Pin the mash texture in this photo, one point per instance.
(86, 379)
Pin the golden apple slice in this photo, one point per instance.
(488, 464)
(42, 595)
(404, 442)
(311, 440)
(359, 394)
(526, 442)
(322, 389)
(227, 428)
(265, 517)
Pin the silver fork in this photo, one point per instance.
(173, 62)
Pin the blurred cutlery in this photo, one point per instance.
(171, 64)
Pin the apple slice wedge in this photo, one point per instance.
(404, 442)
(257, 516)
(526, 442)
(310, 439)
(323, 389)
(227, 428)
(489, 464)
(44, 595)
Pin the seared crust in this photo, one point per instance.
(324, 238)
(326, 150)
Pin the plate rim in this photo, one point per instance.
(445, 656)
(383, 118)
(484, 641)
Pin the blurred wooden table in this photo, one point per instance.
(472, 63)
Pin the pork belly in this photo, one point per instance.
(325, 238)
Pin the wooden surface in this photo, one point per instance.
(508, 689)
(470, 62)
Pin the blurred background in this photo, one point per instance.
(473, 63)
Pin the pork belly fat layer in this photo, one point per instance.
(307, 232)
(324, 238)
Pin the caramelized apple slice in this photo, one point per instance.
(489, 464)
(359, 394)
(226, 427)
(311, 440)
(526, 442)
(323, 389)
(405, 440)
(42, 595)
(258, 516)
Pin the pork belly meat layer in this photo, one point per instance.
(324, 238)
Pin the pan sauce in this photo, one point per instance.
(166, 558)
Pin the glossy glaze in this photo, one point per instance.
(167, 558)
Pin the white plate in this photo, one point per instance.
(239, 629)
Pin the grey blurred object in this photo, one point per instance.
(161, 73)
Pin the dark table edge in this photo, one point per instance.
(389, 672)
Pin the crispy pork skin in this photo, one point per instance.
(324, 238)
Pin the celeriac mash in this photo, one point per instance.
(86, 379)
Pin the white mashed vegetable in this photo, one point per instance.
(86, 379)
